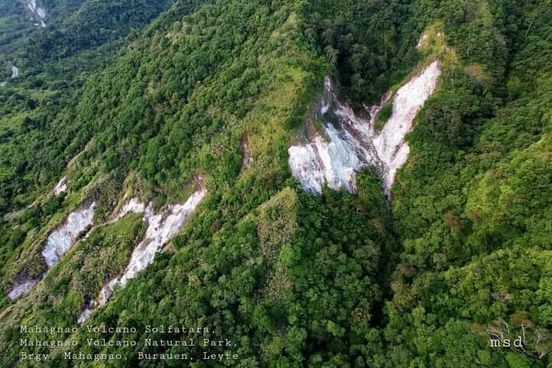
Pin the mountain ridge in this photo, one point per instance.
(294, 279)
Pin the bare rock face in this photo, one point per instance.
(14, 70)
(65, 236)
(350, 143)
(14, 73)
(390, 144)
(135, 206)
(37, 11)
(162, 227)
(21, 289)
(57, 244)
(61, 187)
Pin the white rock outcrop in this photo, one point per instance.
(65, 236)
(21, 289)
(161, 228)
(390, 144)
(58, 243)
(37, 11)
(60, 187)
(14, 73)
(351, 143)
(134, 206)
(14, 70)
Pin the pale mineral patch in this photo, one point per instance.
(37, 10)
(14, 73)
(132, 206)
(161, 228)
(66, 235)
(422, 40)
(351, 143)
(60, 187)
(14, 70)
(390, 144)
(21, 289)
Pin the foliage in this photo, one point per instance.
(459, 252)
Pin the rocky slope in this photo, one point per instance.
(233, 164)
(353, 143)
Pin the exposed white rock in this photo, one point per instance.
(14, 70)
(306, 166)
(132, 206)
(37, 10)
(21, 289)
(65, 236)
(84, 315)
(422, 40)
(60, 187)
(161, 228)
(14, 73)
(333, 160)
(390, 144)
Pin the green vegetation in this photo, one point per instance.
(383, 115)
(77, 279)
(473, 212)
(144, 97)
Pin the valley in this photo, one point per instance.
(228, 183)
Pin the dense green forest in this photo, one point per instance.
(153, 99)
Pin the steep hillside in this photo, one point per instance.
(323, 184)
(476, 232)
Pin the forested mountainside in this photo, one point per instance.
(324, 184)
